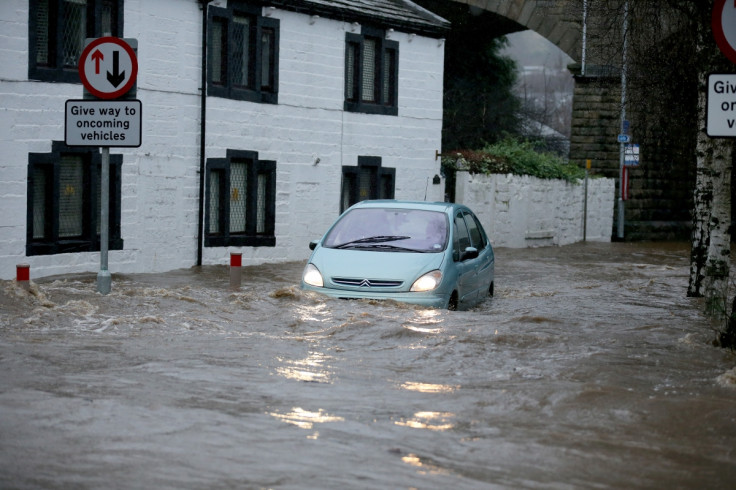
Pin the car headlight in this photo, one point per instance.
(312, 276)
(427, 282)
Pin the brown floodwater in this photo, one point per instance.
(590, 368)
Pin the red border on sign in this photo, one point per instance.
(133, 61)
(717, 24)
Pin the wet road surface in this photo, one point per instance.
(590, 368)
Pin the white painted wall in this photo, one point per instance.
(522, 211)
(160, 180)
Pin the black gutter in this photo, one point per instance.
(202, 132)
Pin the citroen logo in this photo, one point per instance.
(365, 283)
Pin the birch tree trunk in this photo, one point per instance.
(702, 199)
(710, 256)
(711, 237)
(718, 262)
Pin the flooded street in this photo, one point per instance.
(590, 368)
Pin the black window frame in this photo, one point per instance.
(385, 98)
(223, 86)
(382, 186)
(55, 70)
(250, 237)
(89, 240)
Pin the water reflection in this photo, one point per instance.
(313, 313)
(305, 419)
(427, 467)
(425, 321)
(429, 387)
(436, 421)
(311, 369)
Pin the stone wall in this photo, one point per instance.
(523, 211)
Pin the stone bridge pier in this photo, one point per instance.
(659, 201)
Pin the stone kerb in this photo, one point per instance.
(522, 211)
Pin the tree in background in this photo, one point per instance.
(479, 104)
(545, 94)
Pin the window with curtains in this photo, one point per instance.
(63, 207)
(242, 56)
(371, 73)
(240, 201)
(57, 30)
(367, 180)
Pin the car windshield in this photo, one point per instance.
(385, 229)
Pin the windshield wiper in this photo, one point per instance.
(386, 246)
(373, 239)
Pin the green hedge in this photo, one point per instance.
(511, 156)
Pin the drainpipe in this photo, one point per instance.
(202, 132)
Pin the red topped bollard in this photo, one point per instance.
(23, 274)
(236, 262)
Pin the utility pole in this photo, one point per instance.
(620, 230)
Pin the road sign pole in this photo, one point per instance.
(104, 280)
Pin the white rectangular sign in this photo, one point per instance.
(631, 155)
(721, 118)
(113, 123)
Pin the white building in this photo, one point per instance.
(310, 105)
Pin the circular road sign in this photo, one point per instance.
(724, 27)
(108, 67)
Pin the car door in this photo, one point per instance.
(466, 269)
(483, 264)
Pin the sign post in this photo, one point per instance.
(623, 138)
(108, 68)
(104, 279)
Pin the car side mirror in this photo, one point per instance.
(313, 244)
(469, 253)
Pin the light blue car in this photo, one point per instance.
(433, 254)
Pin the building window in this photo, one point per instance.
(57, 30)
(367, 180)
(64, 201)
(242, 54)
(240, 201)
(371, 73)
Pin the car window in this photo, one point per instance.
(477, 239)
(403, 229)
(462, 237)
